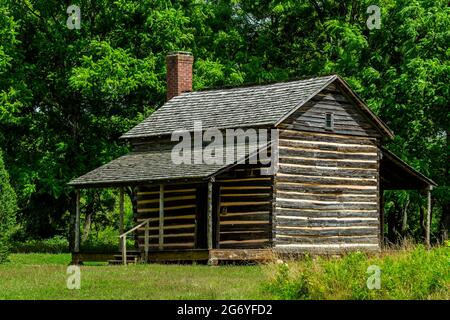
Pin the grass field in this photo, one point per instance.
(43, 276)
(408, 273)
(413, 273)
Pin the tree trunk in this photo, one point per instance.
(393, 225)
(445, 221)
(88, 219)
(71, 233)
(423, 229)
(405, 218)
(87, 227)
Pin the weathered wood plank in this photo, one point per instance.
(338, 147)
(245, 244)
(326, 231)
(178, 255)
(167, 208)
(245, 227)
(187, 245)
(288, 239)
(168, 204)
(326, 212)
(244, 235)
(173, 220)
(328, 180)
(340, 248)
(170, 240)
(243, 203)
(288, 221)
(336, 196)
(325, 154)
(308, 187)
(329, 163)
(242, 255)
(325, 206)
(246, 216)
(322, 172)
(168, 199)
(254, 208)
(349, 127)
(251, 188)
(346, 131)
(325, 137)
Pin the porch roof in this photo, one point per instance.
(396, 174)
(138, 168)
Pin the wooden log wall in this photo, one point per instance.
(327, 186)
(180, 215)
(245, 210)
(347, 118)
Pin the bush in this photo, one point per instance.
(57, 244)
(287, 287)
(406, 274)
(106, 240)
(8, 208)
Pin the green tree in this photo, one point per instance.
(67, 95)
(8, 208)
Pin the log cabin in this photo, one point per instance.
(321, 192)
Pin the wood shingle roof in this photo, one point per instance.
(255, 106)
(145, 167)
(229, 108)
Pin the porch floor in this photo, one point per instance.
(214, 256)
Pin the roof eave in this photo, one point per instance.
(131, 183)
(147, 136)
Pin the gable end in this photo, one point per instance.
(334, 110)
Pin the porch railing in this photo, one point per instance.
(123, 240)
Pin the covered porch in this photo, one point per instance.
(395, 174)
(178, 210)
(174, 208)
(176, 222)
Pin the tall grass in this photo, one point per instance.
(408, 273)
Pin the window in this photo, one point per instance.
(329, 121)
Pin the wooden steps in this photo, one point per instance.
(133, 257)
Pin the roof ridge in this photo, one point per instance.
(257, 85)
(239, 107)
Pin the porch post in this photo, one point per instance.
(161, 217)
(121, 214)
(209, 215)
(381, 219)
(428, 222)
(77, 221)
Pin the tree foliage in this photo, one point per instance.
(67, 95)
(8, 208)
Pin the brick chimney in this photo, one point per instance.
(179, 73)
